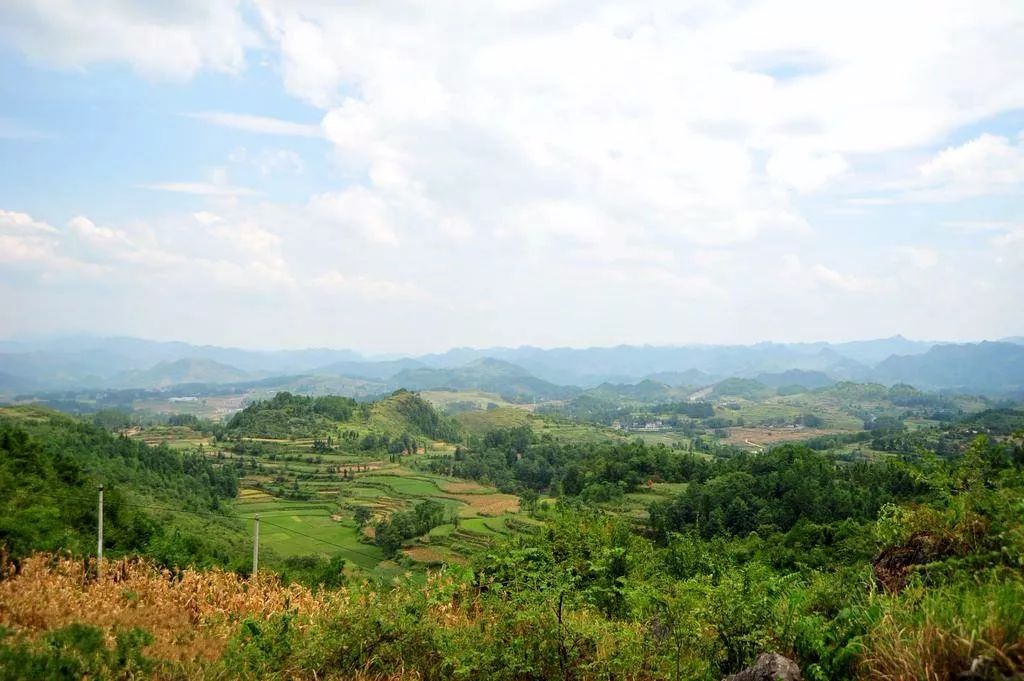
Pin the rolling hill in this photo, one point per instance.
(984, 367)
(189, 370)
(488, 375)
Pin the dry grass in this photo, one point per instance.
(971, 632)
(461, 486)
(767, 436)
(426, 554)
(487, 504)
(191, 614)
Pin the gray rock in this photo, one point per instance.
(769, 667)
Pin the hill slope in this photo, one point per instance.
(990, 367)
(52, 464)
(188, 370)
(298, 416)
(488, 375)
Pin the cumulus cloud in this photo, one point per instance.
(604, 110)
(987, 164)
(13, 221)
(554, 161)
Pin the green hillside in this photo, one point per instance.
(511, 382)
(51, 466)
(297, 416)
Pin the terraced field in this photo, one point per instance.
(333, 486)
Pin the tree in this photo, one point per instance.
(362, 515)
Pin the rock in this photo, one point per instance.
(893, 565)
(769, 667)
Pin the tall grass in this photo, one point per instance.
(941, 633)
(191, 614)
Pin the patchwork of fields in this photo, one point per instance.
(309, 492)
(336, 485)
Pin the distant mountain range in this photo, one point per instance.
(188, 370)
(525, 373)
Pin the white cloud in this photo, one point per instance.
(91, 232)
(28, 242)
(846, 282)
(543, 163)
(975, 226)
(368, 288)
(359, 210)
(158, 40)
(269, 161)
(22, 222)
(259, 124)
(648, 120)
(1009, 249)
(309, 72)
(200, 188)
(920, 256)
(987, 164)
(1011, 239)
(804, 172)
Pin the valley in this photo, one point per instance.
(478, 514)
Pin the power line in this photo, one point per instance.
(309, 536)
(209, 514)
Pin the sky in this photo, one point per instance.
(397, 176)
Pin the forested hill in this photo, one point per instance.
(51, 466)
(297, 416)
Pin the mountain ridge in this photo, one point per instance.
(527, 372)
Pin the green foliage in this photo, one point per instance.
(389, 534)
(513, 459)
(50, 469)
(776, 490)
(741, 387)
(314, 570)
(753, 553)
(76, 651)
(287, 416)
(423, 418)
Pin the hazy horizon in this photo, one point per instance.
(384, 354)
(399, 181)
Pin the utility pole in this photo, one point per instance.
(99, 541)
(256, 545)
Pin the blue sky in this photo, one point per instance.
(402, 177)
(103, 133)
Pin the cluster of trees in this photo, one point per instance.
(421, 417)
(594, 409)
(513, 459)
(730, 495)
(420, 519)
(402, 444)
(286, 415)
(774, 491)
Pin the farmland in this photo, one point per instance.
(323, 495)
